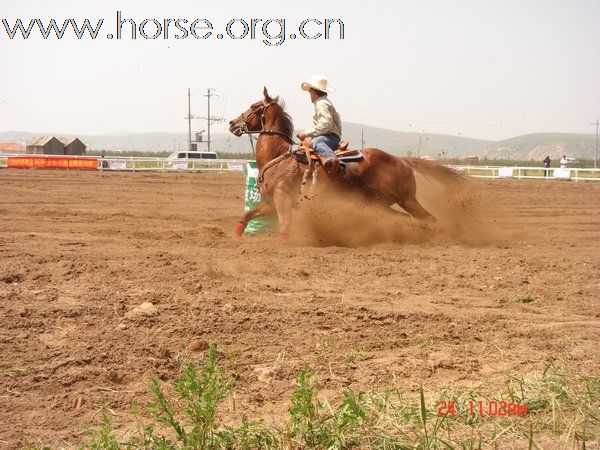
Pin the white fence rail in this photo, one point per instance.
(535, 173)
(145, 164)
(165, 165)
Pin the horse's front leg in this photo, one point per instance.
(259, 211)
(284, 203)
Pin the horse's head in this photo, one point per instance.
(253, 119)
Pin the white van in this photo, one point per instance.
(192, 155)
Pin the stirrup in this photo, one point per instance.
(332, 166)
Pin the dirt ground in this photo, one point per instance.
(80, 251)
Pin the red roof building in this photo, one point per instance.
(12, 147)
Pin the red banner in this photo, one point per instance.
(52, 162)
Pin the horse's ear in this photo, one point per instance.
(276, 99)
(266, 94)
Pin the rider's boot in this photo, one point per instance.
(330, 165)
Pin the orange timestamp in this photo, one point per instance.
(483, 408)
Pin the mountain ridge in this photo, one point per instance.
(533, 146)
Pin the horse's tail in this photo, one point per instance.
(434, 171)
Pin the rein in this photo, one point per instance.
(275, 132)
(271, 132)
(277, 160)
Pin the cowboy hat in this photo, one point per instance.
(317, 82)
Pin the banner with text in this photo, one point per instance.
(52, 162)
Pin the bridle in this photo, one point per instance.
(244, 130)
(244, 125)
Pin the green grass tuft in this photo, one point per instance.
(562, 409)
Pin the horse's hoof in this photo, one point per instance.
(239, 229)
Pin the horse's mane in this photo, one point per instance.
(285, 119)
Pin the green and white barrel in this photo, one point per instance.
(252, 199)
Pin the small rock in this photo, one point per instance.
(122, 326)
(228, 307)
(146, 309)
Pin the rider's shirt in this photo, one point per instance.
(326, 119)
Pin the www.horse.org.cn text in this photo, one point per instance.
(271, 32)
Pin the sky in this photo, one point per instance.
(482, 69)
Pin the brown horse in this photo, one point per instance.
(381, 177)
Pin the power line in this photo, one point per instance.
(209, 119)
(22, 115)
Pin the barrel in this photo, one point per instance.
(252, 199)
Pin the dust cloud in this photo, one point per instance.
(465, 213)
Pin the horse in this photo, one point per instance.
(380, 177)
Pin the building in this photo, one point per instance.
(50, 145)
(12, 147)
(45, 145)
(73, 146)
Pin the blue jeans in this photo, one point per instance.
(325, 145)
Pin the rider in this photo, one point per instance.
(327, 125)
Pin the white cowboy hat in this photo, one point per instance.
(317, 82)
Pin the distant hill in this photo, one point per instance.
(537, 146)
(531, 146)
(407, 143)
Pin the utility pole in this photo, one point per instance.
(189, 118)
(362, 138)
(209, 119)
(419, 148)
(208, 95)
(596, 153)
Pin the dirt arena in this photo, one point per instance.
(79, 251)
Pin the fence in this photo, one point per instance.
(137, 164)
(144, 164)
(535, 173)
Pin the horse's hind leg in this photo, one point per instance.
(261, 210)
(407, 199)
(412, 206)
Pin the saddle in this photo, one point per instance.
(344, 154)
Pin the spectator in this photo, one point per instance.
(563, 162)
(547, 162)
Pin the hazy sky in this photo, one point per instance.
(486, 69)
